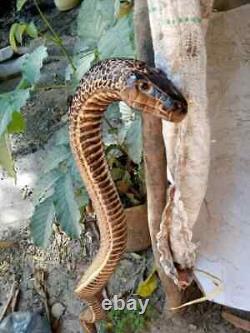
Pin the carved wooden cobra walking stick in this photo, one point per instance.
(146, 89)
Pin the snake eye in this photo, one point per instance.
(145, 87)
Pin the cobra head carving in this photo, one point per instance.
(149, 90)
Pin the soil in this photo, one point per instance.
(65, 259)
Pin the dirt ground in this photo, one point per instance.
(51, 276)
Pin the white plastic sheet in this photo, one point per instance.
(223, 227)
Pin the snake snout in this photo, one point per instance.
(175, 110)
(180, 107)
(179, 110)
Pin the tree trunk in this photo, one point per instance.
(154, 153)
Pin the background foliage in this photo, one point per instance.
(11, 119)
(104, 29)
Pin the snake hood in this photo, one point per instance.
(142, 87)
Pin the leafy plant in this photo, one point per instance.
(59, 193)
(11, 119)
(105, 30)
(148, 286)
(17, 30)
(127, 321)
(100, 30)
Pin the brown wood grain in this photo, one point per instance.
(154, 153)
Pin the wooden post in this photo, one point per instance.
(154, 153)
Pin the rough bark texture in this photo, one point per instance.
(154, 153)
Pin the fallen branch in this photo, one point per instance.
(12, 296)
(7, 244)
(236, 321)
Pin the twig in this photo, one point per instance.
(14, 300)
(53, 86)
(40, 287)
(57, 39)
(12, 294)
(236, 321)
(7, 244)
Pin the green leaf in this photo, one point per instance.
(83, 64)
(12, 38)
(61, 136)
(33, 63)
(55, 155)
(20, 4)
(133, 140)
(95, 17)
(117, 41)
(41, 222)
(17, 31)
(31, 30)
(127, 116)
(20, 29)
(9, 103)
(17, 123)
(113, 116)
(147, 287)
(82, 198)
(67, 210)
(5, 155)
(45, 186)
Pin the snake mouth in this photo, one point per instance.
(174, 115)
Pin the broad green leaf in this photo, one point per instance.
(45, 186)
(31, 30)
(112, 116)
(61, 136)
(5, 155)
(82, 197)
(147, 287)
(118, 41)
(19, 31)
(67, 210)
(20, 4)
(75, 174)
(95, 17)
(83, 63)
(41, 222)
(33, 63)
(12, 38)
(9, 103)
(127, 115)
(133, 140)
(17, 123)
(55, 155)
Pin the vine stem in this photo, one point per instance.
(53, 86)
(57, 39)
